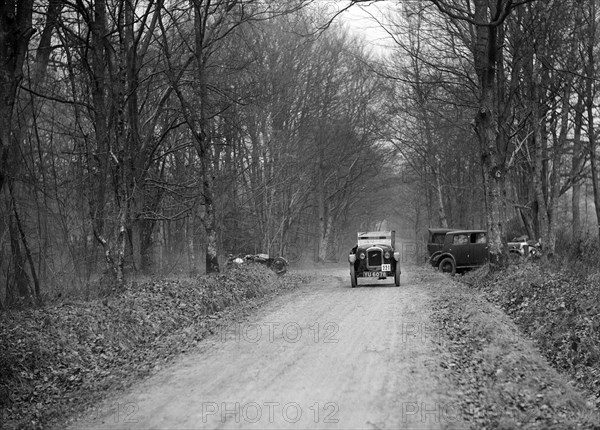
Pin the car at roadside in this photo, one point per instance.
(518, 245)
(278, 265)
(462, 250)
(523, 247)
(374, 257)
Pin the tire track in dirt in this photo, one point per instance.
(323, 356)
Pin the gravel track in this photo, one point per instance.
(430, 354)
(323, 356)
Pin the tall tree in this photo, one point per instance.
(16, 34)
(482, 23)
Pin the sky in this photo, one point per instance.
(362, 19)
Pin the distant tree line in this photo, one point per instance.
(155, 135)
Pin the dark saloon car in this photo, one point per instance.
(374, 257)
(461, 250)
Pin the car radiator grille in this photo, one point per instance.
(374, 257)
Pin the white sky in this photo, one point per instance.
(362, 19)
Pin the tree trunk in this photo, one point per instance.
(554, 186)
(202, 140)
(189, 237)
(590, 95)
(98, 162)
(15, 32)
(122, 240)
(325, 238)
(440, 197)
(577, 161)
(493, 177)
(322, 213)
(17, 289)
(36, 284)
(494, 183)
(486, 54)
(539, 169)
(594, 164)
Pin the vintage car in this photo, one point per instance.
(278, 265)
(461, 250)
(523, 247)
(518, 245)
(374, 257)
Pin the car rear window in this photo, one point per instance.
(438, 238)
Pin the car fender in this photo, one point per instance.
(435, 258)
(442, 256)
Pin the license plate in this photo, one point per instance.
(386, 267)
(373, 274)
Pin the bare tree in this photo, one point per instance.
(481, 24)
(16, 34)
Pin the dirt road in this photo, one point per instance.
(324, 356)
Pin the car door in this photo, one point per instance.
(460, 249)
(479, 249)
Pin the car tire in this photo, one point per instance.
(279, 265)
(514, 255)
(397, 277)
(447, 266)
(353, 282)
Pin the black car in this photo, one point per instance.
(461, 250)
(374, 257)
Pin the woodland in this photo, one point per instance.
(142, 137)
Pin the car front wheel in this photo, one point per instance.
(352, 276)
(447, 266)
(279, 265)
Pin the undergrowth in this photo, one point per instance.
(57, 359)
(502, 383)
(557, 304)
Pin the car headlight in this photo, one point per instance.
(387, 255)
(362, 255)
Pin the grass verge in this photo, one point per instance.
(502, 380)
(58, 360)
(557, 305)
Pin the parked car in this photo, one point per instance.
(522, 246)
(375, 257)
(278, 265)
(518, 246)
(461, 250)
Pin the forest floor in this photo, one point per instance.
(312, 353)
(61, 359)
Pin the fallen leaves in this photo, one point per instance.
(559, 309)
(501, 381)
(56, 360)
